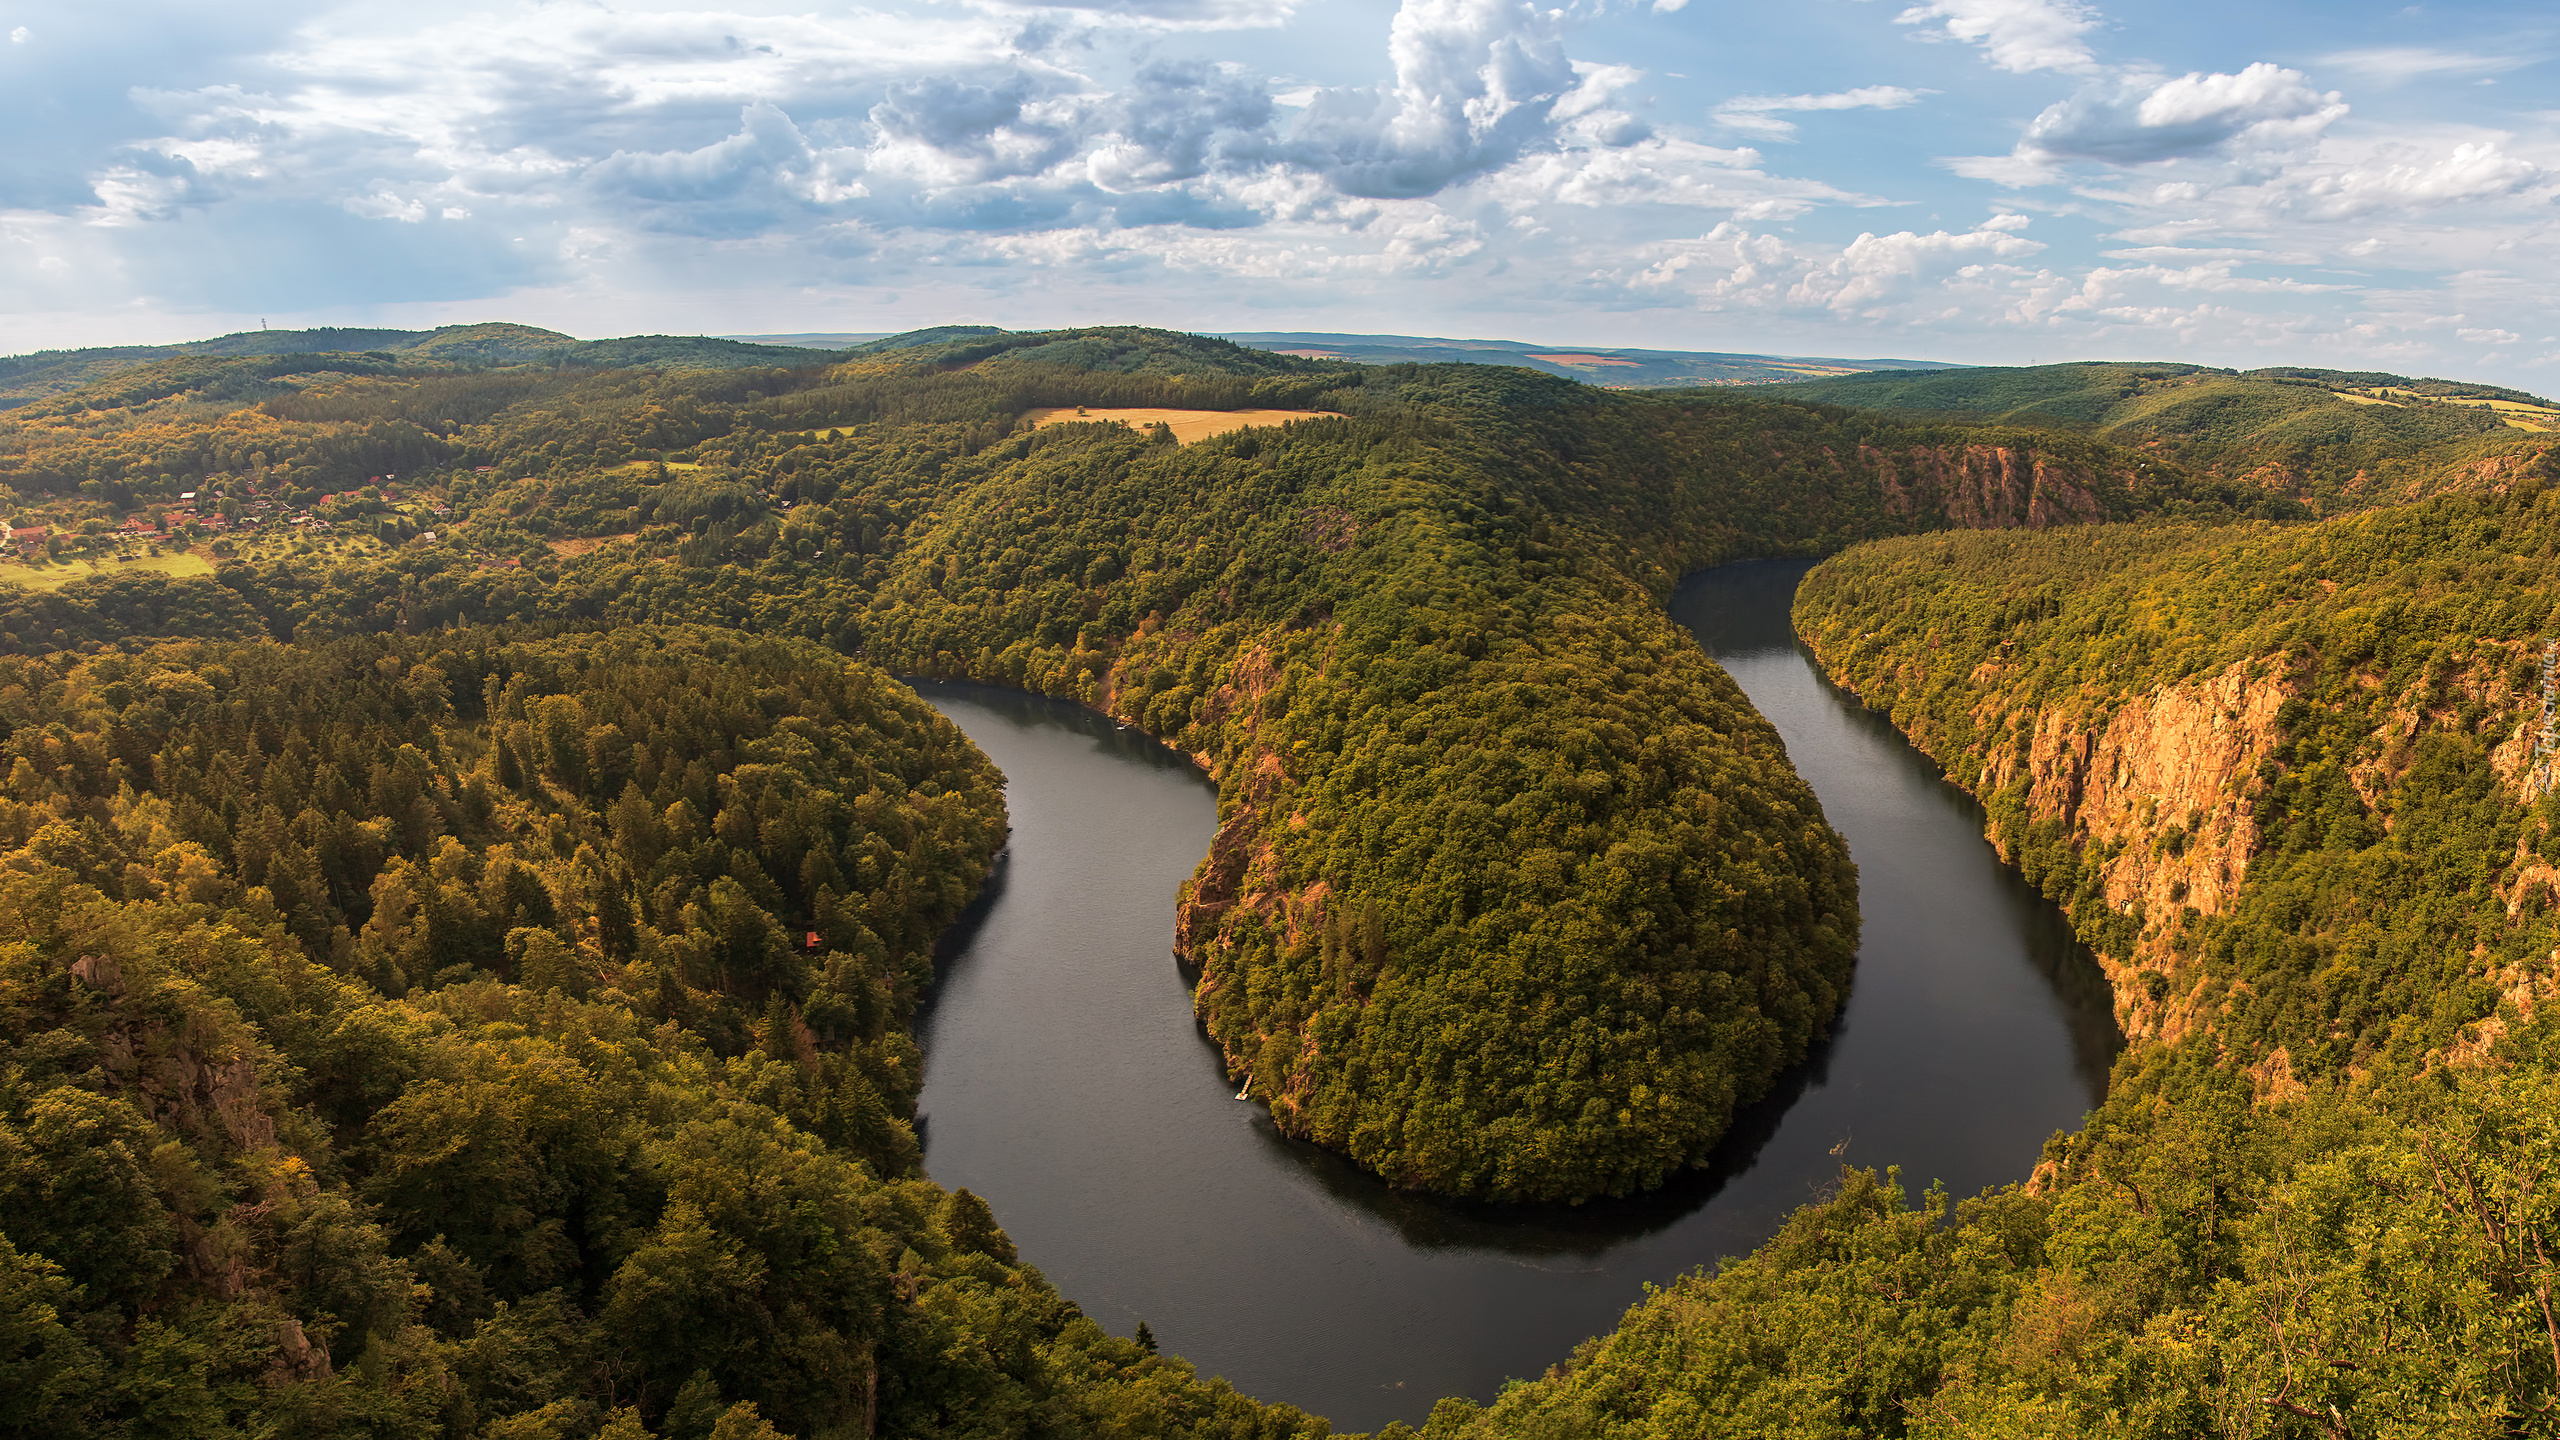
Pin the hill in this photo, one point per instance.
(2332, 439)
(46, 375)
(25, 379)
(1609, 366)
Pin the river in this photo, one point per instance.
(1067, 1083)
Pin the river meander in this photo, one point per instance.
(1067, 1083)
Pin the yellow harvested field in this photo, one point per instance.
(1188, 425)
(54, 577)
(2516, 413)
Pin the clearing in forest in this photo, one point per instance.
(1188, 425)
(572, 549)
(62, 572)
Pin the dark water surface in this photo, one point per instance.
(1068, 1084)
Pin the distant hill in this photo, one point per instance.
(1617, 369)
(2106, 394)
(2334, 437)
(25, 379)
(1115, 349)
(815, 340)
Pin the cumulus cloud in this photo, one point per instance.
(2140, 119)
(1758, 114)
(1178, 120)
(2016, 35)
(736, 184)
(2401, 179)
(1475, 83)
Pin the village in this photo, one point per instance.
(213, 523)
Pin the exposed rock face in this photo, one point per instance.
(2168, 777)
(1984, 487)
(2158, 796)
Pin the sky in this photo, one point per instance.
(2348, 184)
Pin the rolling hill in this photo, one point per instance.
(1617, 369)
(2334, 439)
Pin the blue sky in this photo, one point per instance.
(1975, 180)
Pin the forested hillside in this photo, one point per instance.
(2332, 440)
(2286, 781)
(413, 1036)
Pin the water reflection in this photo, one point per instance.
(1068, 1083)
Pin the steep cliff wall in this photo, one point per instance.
(2154, 797)
(2282, 778)
(1990, 487)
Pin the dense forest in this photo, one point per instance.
(472, 1035)
(479, 921)
(2287, 780)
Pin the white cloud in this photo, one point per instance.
(2140, 119)
(2394, 64)
(1874, 277)
(2400, 179)
(1661, 171)
(1475, 82)
(21, 35)
(2016, 35)
(1758, 114)
(2199, 254)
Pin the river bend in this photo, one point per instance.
(1067, 1083)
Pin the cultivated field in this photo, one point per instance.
(2515, 412)
(1188, 425)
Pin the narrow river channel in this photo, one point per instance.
(1067, 1083)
